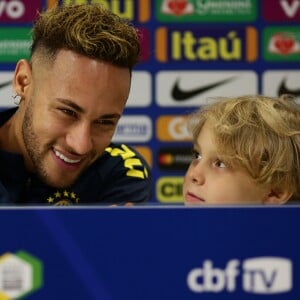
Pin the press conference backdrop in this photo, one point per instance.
(150, 253)
(192, 50)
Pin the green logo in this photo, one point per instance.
(20, 275)
(206, 10)
(14, 44)
(281, 43)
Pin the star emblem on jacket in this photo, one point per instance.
(63, 198)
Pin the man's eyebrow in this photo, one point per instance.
(81, 110)
(71, 104)
(110, 116)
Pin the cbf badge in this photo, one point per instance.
(20, 275)
(63, 198)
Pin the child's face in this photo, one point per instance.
(209, 181)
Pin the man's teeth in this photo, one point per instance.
(68, 160)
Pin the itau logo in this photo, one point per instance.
(20, 275)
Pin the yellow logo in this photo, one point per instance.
(172, 128)
(169, 189)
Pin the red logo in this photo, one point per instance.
(177, 6)
(284, 44)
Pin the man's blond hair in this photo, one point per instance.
(88, 29)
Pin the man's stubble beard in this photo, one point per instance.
(32, 146)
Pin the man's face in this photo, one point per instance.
(71, 110)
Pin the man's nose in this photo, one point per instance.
(79, 138)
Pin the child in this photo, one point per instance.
(246, 151)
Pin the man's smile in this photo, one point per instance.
(66, 159)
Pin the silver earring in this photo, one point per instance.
(17, 99)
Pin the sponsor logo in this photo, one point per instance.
(174, 158)
(283, 10)
(281, 43)
(141, 90)
(138, 11)
(182, 95)
(259, 275)
(206, 11)
(276, 83)
(20, 273)
(207, 44)
(14, 44)
(133, 129)
(172, 128)
(196, 87)
(284, 90)
(177, 8)
(18, 11)
(169, 189)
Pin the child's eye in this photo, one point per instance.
(196, 155)
(219, 164)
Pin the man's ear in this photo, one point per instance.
(278, 196)
(22, 77)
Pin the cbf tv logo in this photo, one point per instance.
(259, 275)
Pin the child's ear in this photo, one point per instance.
(278, 196)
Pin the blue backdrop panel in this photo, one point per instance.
(159, 253)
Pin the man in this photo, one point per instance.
(56, 146)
